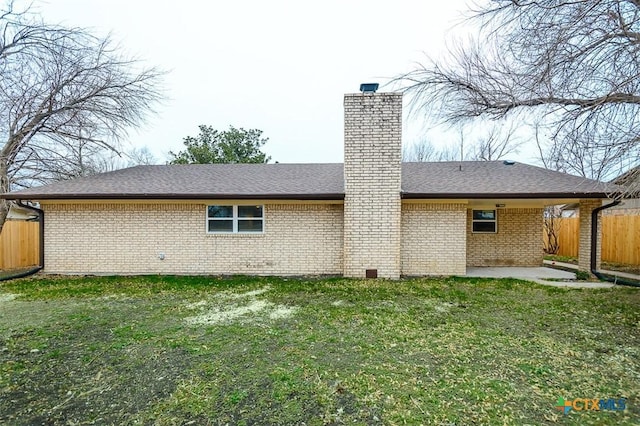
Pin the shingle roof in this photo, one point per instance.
(630, 181)
(198, 181)
(495, 179)
(468, 179)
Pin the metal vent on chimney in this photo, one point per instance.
(369, 87)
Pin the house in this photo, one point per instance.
(628, 185)
(372, 216)
(630, 180)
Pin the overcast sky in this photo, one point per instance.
(279, 66)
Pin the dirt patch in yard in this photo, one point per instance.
(245, 307)
(59, 366)
(7, 297)
(77, 390)
(217, 315)
(112, 359)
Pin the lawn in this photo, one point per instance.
(247, 350)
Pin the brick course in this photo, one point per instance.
(112, 238)
(518, 241)
(433, 239)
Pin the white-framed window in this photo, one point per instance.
(231, 219)
(484, 221)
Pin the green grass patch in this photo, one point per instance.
(256, 350)
(582, 275)
(92, 286)
(621, 267)
(560, 258)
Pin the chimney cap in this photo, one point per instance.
(369, 87)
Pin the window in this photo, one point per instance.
(484, 221)
(234, 219)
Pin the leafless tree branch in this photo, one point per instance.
(63, 90)
(574, 65)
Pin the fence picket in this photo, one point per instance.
(19, 244)
(620, 238)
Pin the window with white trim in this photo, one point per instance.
(484, 221)
(231, 219)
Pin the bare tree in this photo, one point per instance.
(74, 159)
(631, 181)
(425, 151)
(451, 153)
(552, 221)
(140, 156)
(574, 65)
(496, 145)
(421, 151)
(62, 88)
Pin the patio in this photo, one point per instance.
(541, 275)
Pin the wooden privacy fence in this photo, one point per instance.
(19, 244)
(620, 238)
(569, 236)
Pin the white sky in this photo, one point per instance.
(279, 66)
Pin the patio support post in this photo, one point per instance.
(584, 248)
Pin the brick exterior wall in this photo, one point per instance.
(128, 238)
(372, 205)
(434, 239)
(584, 247)
(518, 241)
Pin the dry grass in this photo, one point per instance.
(293, 351)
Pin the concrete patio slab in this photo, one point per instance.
(539, 275)
(520, 272)
(571, 266)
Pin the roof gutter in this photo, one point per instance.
(594, 249)
(38, 268)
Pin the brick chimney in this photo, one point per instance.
(372, 176)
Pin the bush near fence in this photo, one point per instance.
(19, 244)
(620, 238)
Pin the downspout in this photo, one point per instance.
(41, 260)
(594, 248)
